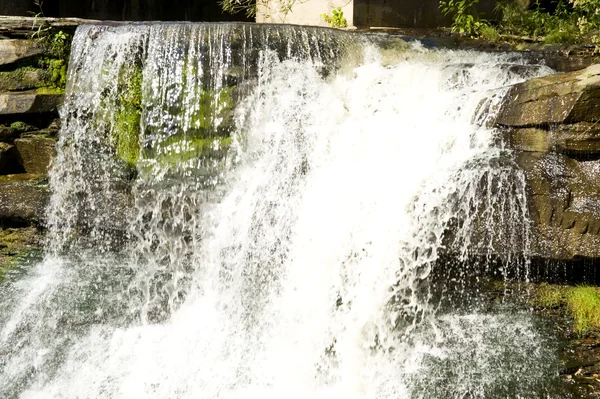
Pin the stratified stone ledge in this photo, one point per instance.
(29, 102)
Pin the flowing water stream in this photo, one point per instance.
(247, 211)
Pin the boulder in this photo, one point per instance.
(36, 153)
(555, 99)
(23, 198)
(29, 102)
(17, 49)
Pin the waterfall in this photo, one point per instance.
(247, 211)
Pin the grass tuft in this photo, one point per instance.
(584, 304)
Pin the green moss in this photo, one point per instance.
(125, 132)
(50, 90)
(22, 127)
(214, 112)
(22, 78)
(57, 71)
(584, 305)
(58, 45)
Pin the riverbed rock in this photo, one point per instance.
(555, 99)
(23, 198)
(36, 153)
(13, 50)
(12, 103)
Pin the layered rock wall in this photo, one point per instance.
(33, 63)
(553, 124)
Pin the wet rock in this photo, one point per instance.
(551, 122)
(577, 139)
(29, 102)
(564, 205)
(16, 244)
(17, 49)
(36, 153)
(560, 98)
(23, 198)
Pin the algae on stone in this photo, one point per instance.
(126, 116)
(213, 111)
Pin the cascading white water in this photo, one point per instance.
(274, 233)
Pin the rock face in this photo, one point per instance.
(555, 99)
(30, 96)
(29, 102)
(551, 122)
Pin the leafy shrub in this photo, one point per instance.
(337, 19)
(464, 18)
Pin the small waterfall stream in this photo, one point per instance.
(245, 211)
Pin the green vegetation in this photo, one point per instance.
(58, 45)
(205, 131)
(568, 22)
(248, 7)
(22, 127)
(125, 131)
(215, 107)
(584, 305)
(337, 19)
(464, 17)
(581, 304)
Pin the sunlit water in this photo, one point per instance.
(293, 260)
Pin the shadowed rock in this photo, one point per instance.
(23, 198)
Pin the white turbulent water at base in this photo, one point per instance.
(307, 278)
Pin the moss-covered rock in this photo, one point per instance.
(24, 78)
(214, 113)
(7, 133)
(126, 121)
(16, 244)
(179, 151)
